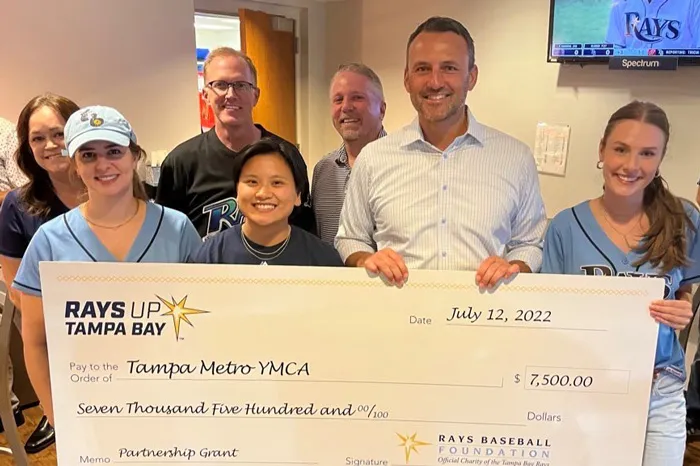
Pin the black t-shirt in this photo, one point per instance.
(17, 227)
(196, 178)
(303, 249)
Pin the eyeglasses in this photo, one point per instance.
(239, 87)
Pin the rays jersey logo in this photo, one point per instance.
(608, 272)
(221, 215)
(649, 29)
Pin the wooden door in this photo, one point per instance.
(269, 42)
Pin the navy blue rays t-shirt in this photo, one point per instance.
(303, 249)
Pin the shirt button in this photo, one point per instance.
(444, 156)
(625, 261)
(444, 254)
(444, 187)
(444, 221)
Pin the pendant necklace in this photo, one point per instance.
(114, 227)
(624, 235)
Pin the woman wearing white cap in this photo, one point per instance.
(115, 224)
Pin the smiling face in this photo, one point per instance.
(631, 156)
(106, 169)
(46, 140)
(233, 105)
(357, 107)
(438, 76)
(266, 192)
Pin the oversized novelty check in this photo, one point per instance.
(207, 364)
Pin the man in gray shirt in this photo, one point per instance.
(357, 110)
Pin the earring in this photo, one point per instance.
(599, 165)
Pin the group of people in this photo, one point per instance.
(445, 192)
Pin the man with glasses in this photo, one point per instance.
(196, 177)
(357, 111)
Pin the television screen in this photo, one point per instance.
(594, 30)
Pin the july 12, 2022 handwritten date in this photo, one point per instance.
(470, 315)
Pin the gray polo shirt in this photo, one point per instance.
(329, 180)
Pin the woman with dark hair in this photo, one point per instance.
(49, 192)
(638, 228)
(268, 185)
(116, 223)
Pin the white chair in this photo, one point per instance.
(8, 419)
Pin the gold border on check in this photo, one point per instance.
(341, 283)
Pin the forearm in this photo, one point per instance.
(36, 359)
(357, 259)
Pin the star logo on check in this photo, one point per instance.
(179, 312)
(410, 444)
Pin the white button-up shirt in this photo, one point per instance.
(11, 176)
(445, 210)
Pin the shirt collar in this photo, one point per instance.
(342, 154)
(475, 132)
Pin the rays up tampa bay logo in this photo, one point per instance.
(138, 318)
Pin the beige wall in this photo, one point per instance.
(139, 56)
(511, 43)
(130, 55)
(135, 55)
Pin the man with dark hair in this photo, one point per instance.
(357, 111)
(445, 192)
(195, 178)
(442, 24)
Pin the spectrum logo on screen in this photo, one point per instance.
(138, 318)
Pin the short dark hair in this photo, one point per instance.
(268, 146)
(444, 24)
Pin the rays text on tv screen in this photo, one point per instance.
(595, 30)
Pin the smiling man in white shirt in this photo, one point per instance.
(445, 192)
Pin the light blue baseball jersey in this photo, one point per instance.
(655, 24)
(576, 244)
(166, 236)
